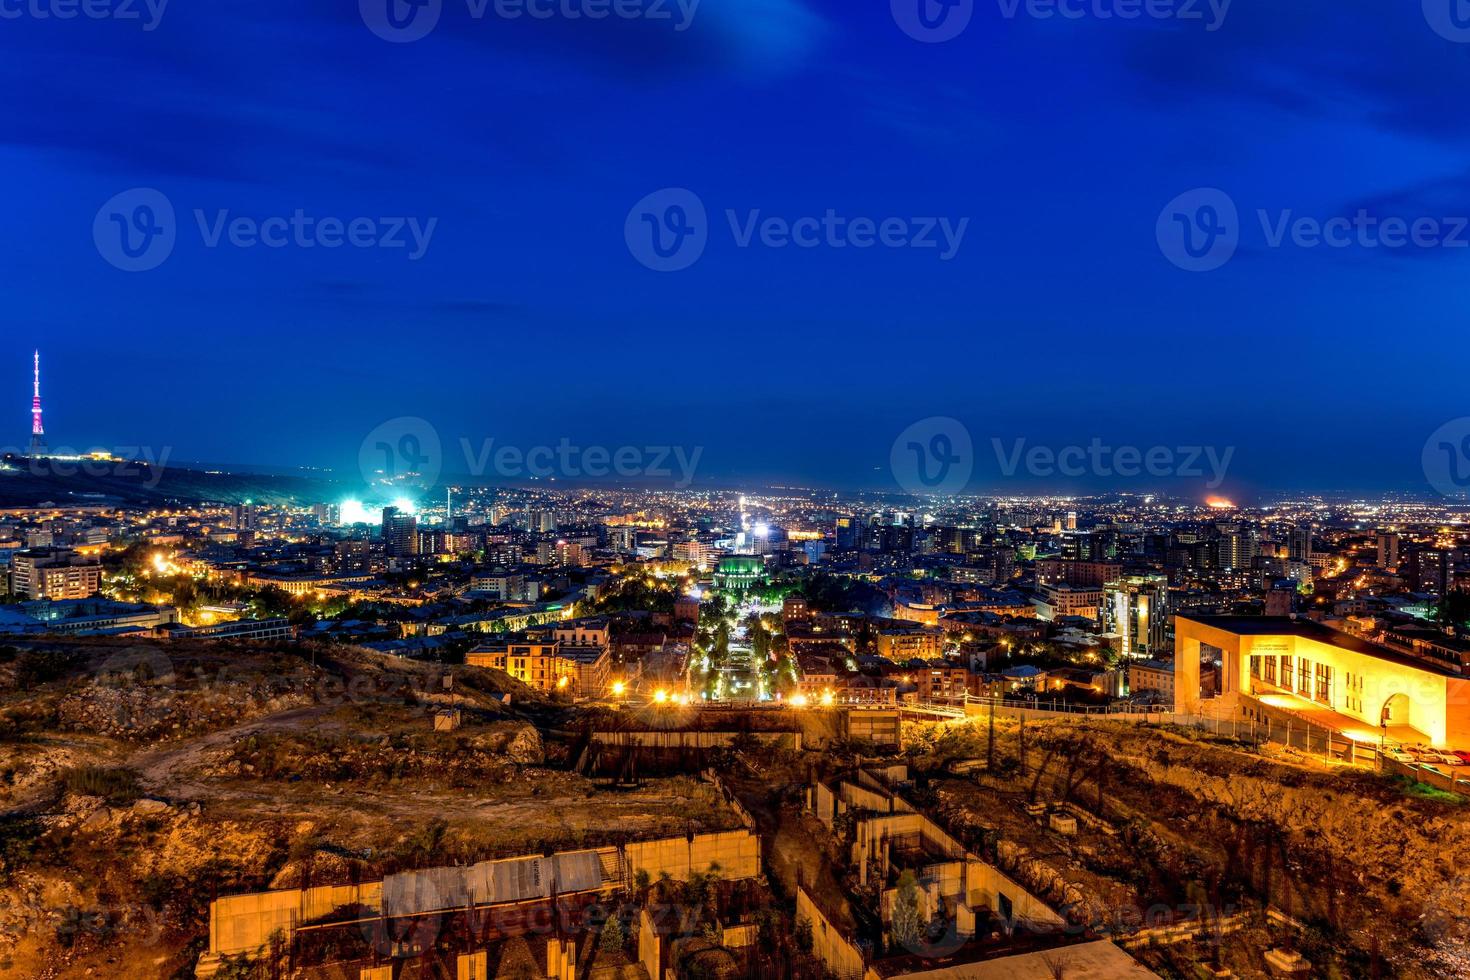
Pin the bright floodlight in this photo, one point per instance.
(353, 512)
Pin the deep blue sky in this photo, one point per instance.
(528, 320)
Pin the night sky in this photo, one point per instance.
(528, 318)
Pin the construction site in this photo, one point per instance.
(447, 823)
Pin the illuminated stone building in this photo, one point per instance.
(1335, 680)
(549, 666)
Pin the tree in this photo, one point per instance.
(1454, 612)
(612, 939)
(908, 921)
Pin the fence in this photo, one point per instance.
(1257, 725)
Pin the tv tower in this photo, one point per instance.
(38, 431)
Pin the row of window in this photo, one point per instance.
(1304, 679)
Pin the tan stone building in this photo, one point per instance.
(549, 666)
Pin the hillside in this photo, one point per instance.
(138, 781)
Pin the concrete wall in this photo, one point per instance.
(737, 852)
(650, 946)
(878, 726)
(866, 799)
(829, 945)
(692, 740)
(473, 966)
(825, 804)
(245, 923)
(984, 883)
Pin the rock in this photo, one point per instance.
(526, 747)
(150, 806)
(100, 818)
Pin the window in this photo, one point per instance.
(1286, 672)
(1324, 684)
(1270, 670)
(1256, 667)
(1304, 677)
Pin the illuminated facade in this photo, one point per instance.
(739, 572)
(549, 666)
(1136, 608)
(1332, 679)
(53, 573)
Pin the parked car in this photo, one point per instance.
(1399, 755)
(1464, 756)
(1447, 758)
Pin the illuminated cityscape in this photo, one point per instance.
(814, 666)
(735, 490)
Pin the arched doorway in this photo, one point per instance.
(1395, 711)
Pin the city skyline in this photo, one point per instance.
(1015, 462)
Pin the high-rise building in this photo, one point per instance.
(245, 517)
(400, 533)
(1431, 570)
(53, 573)
(1389, 545)
(1299, 543)
(1238, 547)
(1136, 607)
